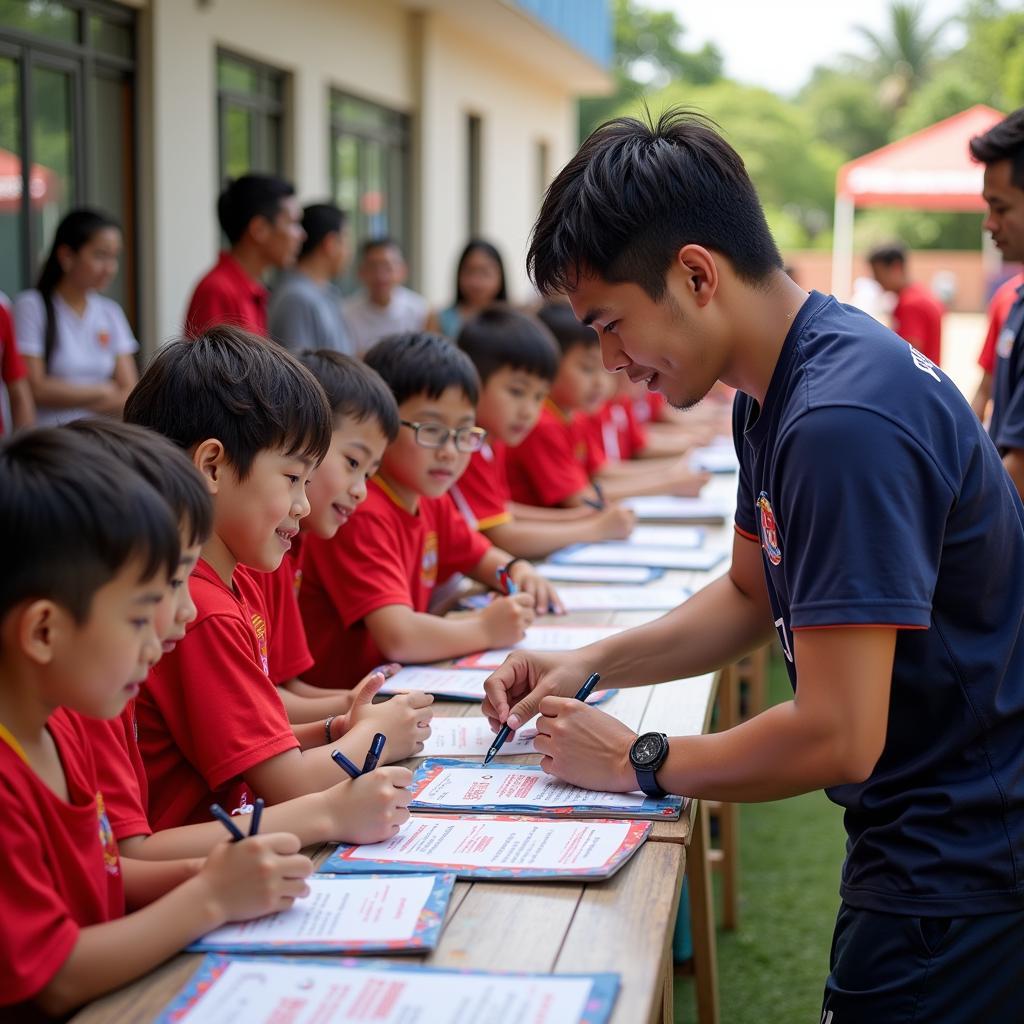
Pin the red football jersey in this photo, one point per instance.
(482, 494)
(917, 318)
(289, 654)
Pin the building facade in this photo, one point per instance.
(428, 120)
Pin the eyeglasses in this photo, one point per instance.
(435, 435)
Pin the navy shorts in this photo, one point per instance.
(894, 969)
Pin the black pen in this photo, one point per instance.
(582, 694)
(257, 813)
(345, 764)
(225, 819)
(373, 754)
(600, 505)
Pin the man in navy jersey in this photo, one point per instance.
(878, 535)
(1001, 150)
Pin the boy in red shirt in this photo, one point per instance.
(91, 548)
(517, 360)
(559, 463)
(14, 373)
(212, 726)
(361, 811)
(262, 220)
(365, 594)
(917, 315)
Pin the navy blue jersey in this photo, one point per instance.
(1007, 426)
(878, 498)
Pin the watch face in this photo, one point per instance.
(647, 749)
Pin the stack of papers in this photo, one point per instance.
(226, 990)
(459, 786)
(624, 553)
(475, 846)
(599, 573)
(620, 599)
(683, 510)
(542, 638)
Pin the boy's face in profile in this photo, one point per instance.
(510, 404)
(429, 471)
(97, 666)
(176, 610)
(580, 381)
(256, 518)
(281, 238)
(339, 484)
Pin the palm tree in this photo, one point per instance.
(903, 57)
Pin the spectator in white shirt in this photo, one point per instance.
(384, 306)
(76, 343)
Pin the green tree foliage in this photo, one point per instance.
(845, 112)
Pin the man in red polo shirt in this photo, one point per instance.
(998, 309)
(917, 317)
(263, 223)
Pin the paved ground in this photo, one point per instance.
(962, 335)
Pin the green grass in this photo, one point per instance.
(771, 970)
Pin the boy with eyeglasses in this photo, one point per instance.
(365, 594)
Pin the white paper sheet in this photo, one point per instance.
(595, 573)
(698, 559)
(267, 992)
(670, 507)
(463, 682)
(472, 737)
(718, 458)
(544, 638)
(509, 787)
(495, 843)
(591, 599)
(341, 909)
(667, 536)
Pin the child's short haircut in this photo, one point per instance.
(72, 519)
(569, 332)
(353, 390)
(248, 393)
(499, 338)
(888, 254)
(318, 221)
(164, 466)
(421, 363)
(252, 195)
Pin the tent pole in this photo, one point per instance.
(842, 248)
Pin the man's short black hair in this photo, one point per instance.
(380, 242)
(499, 337)
(569, 332)
(164, 466)
(1004, 141)
(890, 254)
(353, 390)
(72, 518)
(421, 363)
(318, 221)
(248, 393)
(250, 196)
(636, 193)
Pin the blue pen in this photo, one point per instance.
(345, 764)
(257, 812)
(373, 754)
(225, 819)
(506, 582)
(600, 505)
(582, 694)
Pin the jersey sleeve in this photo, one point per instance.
(116, 777)
(288, 655)
(37, 931)
(361, 569)
(547, 460)
(862, 507)
(30, 323)
(222, 712)
(744, 522)
(1011, 424)
(123, 342)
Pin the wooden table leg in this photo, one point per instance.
(702, 922)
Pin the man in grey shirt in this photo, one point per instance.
(383, 306)
(305, 307)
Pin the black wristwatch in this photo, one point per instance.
(647, 755)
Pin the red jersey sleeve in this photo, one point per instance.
(481, 494)
(459, 547)
(544, 469)
(12, 366)
(288, 655)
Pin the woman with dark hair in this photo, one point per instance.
(77, 343)
(479, 282)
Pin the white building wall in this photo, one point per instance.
(418, 62)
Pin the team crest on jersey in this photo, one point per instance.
(1004, 343)
(107, 841)
(428, 566)
(769, 531)
(260, 629)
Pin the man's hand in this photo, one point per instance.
(514, 691)
(585, 746)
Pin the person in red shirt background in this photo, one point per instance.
(998, 308)
(262, 220)
(14, 373)
(917, 316)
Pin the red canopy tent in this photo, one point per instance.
(43, 183)
(931, 169)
